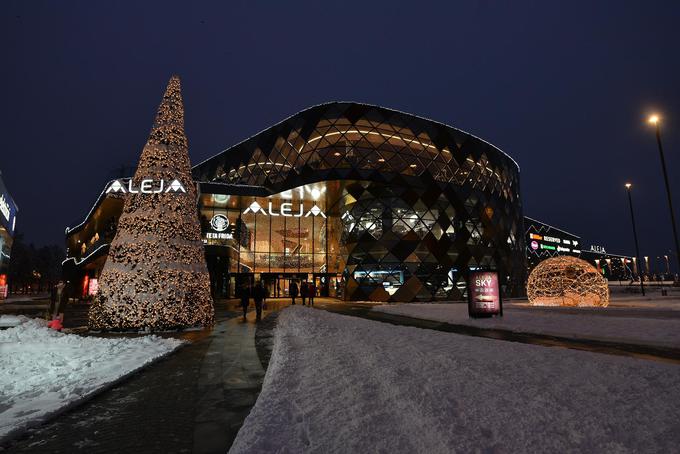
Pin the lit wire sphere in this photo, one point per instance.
(567, 281)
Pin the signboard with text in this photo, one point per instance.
(93, 287)
(484, 294)
(3, 286)
(8, 210)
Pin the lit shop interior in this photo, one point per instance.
(293, 235)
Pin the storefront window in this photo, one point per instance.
(285, 233)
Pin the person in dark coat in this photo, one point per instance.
(303, 291)
(293, 290)
(259, 294)
(311, 292)
(60, 305)
(53, 303)
(244, 295)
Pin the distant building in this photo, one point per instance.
(8, 219)
(544, 241)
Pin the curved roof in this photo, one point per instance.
(340, 140)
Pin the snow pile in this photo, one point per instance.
(600, 325)
(42, 371)
(343, 384)
(8, 321)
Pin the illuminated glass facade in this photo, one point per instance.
(406, 206)
(293, 235)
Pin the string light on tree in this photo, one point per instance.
(155, 276)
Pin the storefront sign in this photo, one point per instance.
(598, 249)
(534, 245)
(219, 222)
(484, 296)
(219, 236)
(147, 186)
(285, 210)
(93, 287)
(3, 286)
(551, 239)
(533, 236)
(4, 207)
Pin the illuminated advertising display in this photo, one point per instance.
(8, 210)
(3, 286)
(484, 296)
(544, 241)
(93, 287)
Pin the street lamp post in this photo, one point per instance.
(637, 248)
(654, 119)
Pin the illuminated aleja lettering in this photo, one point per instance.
(285, 210)
(147, 186)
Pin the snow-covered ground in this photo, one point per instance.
(588, 324)
(8, 321)
(343, 384)
(43, 371)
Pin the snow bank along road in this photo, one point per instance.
(589, 324)
(43, 371)
(344, 384)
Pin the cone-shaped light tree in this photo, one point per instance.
(155, 276)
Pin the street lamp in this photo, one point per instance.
(655, 120)
(637, 248)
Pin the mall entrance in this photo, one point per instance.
(278, 284)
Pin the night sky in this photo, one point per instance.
(562, 87)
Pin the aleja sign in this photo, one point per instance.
(286, 210)
(147, 186)
(599, 249)
(484, 294)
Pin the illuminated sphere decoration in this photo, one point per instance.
(567, 281)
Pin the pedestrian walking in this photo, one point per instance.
(244, 295)
(266, 295)
(293, 290)
(311, 289)
(304, 288)
(259, 294)
(59, 305)
(53, 303)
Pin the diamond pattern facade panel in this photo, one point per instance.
(419, 203)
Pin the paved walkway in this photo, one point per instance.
(195, 400)
(363, 310)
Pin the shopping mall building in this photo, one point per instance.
(8, 221)
(367, 202)
(544, 241)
